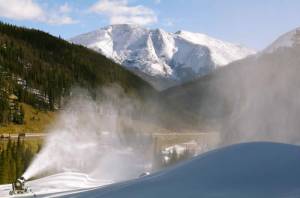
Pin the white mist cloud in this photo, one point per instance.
(65, 8)
(60, 20)
(89, 138)
(118, 11)
(168, 22)
(157, 1)
(20, 9)
(30, 10)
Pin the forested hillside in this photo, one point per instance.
(39, 69)
(15, 156)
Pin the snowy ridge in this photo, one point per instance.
(286, 40)
(222, 52)
(163, 59)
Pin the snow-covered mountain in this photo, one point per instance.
(161, 58)
(288, 39)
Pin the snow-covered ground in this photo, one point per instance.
(162, 58)
(260, 169)
(58, 184)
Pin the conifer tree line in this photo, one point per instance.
(15, 157)
(41, 69)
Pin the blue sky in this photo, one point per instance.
(254, 23)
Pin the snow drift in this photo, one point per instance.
(243, 170)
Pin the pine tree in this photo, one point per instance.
(2, 160)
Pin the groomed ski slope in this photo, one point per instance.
(260, 169)
(56, 185)
(244, 170)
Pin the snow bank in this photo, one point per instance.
(242, 170)
(62, 183)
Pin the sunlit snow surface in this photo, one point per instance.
(243, 170)
(56, 184)
(173, 58)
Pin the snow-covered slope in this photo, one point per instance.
(257, 170)
(286, 40)
(245, 170)
(55, 185)
(163, 59)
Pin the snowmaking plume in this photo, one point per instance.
(88, 137)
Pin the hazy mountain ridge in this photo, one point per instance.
(163, 59)
(288, 39)
(256, 98)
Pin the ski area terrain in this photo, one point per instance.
(257, 169)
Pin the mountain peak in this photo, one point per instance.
(163, 59)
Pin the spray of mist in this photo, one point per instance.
(261, 95)
(88, 137)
